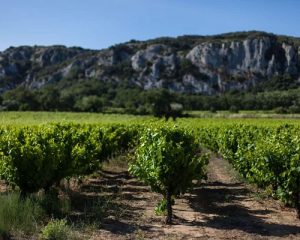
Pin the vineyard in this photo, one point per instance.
(166, 156)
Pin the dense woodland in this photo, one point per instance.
(280, 94)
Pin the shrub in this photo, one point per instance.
(36, 158)
(294, 109)
(56, 230)
(212, 109)
(89, 104)
(233, 109)
(280, 110)
(168, 160)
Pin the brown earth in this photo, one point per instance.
(220, 208)
(2, 186)
(223, 207)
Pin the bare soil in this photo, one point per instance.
(2, 186)
(114, 205)
(222, 207)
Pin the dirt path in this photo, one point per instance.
(230, 209)
(219, 208)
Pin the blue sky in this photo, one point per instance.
(98, 24)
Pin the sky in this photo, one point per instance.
(98, 24)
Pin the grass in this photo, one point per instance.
(198, 119)
(260, 114)
(81, 209)
(35, 118)
(25, 217)
(22, 218)
(17, 215)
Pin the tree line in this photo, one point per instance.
(95, 96)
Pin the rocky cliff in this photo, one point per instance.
(192, 64)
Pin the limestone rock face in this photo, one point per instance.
(248, 61)
(196, 64)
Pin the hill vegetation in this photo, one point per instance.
(241, 71)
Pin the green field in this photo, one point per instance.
(202, 118)
(267, 114)
(36, 118)
(39, 150)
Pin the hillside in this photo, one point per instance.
(205, 65)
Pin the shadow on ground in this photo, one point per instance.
(116, 201)
(222, 209)
(104, 202)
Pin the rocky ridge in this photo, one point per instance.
(190, 64)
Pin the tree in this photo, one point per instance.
(20, 98)
(161, 103)
(89, 104)
(168, 160)
(163, 106)
(233, 109)
(49, 98)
